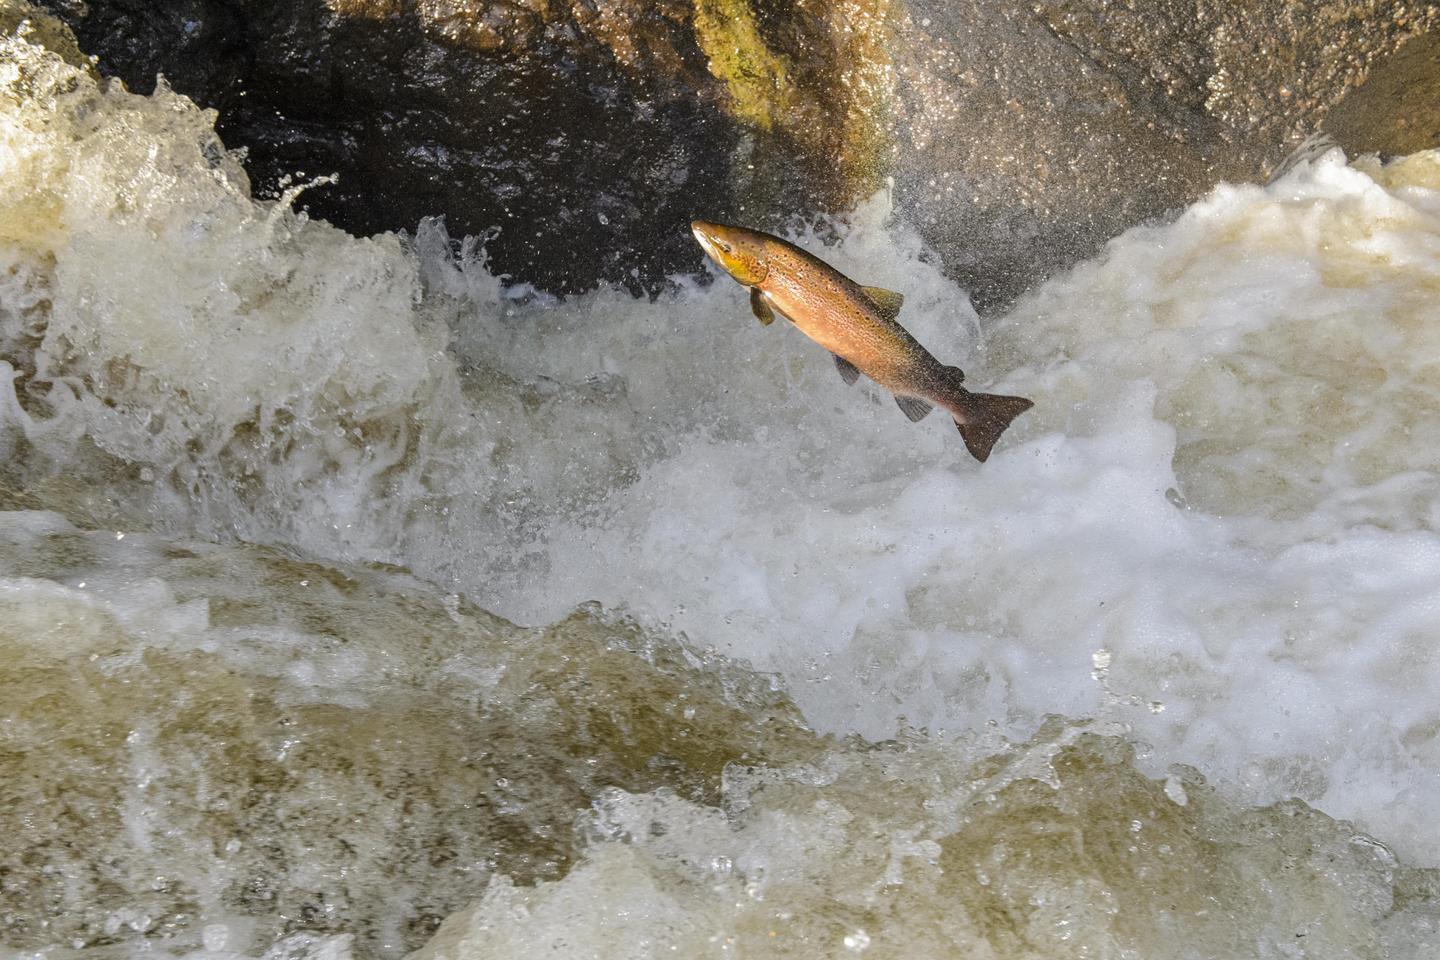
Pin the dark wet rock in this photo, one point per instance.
(506, 118)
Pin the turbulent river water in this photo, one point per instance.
(799, 678)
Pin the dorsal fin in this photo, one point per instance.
(888, 302)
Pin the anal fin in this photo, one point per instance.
(913, 407)
(848, 371)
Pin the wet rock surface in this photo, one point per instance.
(1396, 111)
(1027, 135)
(582, 135)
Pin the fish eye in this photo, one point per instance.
(724, 246)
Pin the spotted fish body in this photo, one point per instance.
(857, 325)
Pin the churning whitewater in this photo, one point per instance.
(232, 728)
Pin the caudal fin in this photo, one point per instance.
(982, 417)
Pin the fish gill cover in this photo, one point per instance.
(1215, 530)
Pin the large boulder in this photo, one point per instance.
(1027, 135)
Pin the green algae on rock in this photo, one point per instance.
(815, 75)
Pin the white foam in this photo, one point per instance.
(1227, 487)
(262, 376)
(983, 860)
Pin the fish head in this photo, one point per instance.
(743, 253)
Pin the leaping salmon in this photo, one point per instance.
(857, 325)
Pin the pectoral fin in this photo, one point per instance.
(848, 371)
(914, 408)
(760, 308)
(888, 302)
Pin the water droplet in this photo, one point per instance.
(1100, 663)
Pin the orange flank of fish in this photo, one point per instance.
(857, 324)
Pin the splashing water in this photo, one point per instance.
(1217, 528)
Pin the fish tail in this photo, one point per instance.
(981, 417)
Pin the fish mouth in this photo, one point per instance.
(701, 231)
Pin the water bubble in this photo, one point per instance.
(215, 936)
(857, 941)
